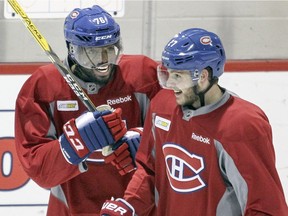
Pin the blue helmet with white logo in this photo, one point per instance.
(195, 49)
(91, 27)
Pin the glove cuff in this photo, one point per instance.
(69, 153)
(118, 207)
(137, 129)
(127, 204)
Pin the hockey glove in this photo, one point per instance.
(89, 132)
(124, 151)
(118, 207)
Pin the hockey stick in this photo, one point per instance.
(66, 73)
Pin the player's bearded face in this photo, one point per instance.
(100, 76)
(97, 62)
(95, 76)
(182, 85)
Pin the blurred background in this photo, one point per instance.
(249, 29)
(253, 33)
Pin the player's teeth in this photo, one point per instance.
(102, 69)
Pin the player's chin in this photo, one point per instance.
(102, 79)
(180, 100)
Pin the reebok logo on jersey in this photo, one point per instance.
(199, 138)
(69, 105)
(119, 100)
(162, 123)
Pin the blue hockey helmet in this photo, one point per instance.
(195, 49)
(91, 27)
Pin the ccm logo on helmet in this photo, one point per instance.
(165, 58)
(103, 37)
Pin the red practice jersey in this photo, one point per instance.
(216, 160)
(46, 102)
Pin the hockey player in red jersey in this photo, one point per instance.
(204, 151)
(59, 142)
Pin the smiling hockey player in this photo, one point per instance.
(59, 143)
(204, 151)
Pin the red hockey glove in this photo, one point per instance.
(118, 207)
(124, 151)
(89, 132)
(115, 124)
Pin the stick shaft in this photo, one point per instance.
(66, 73)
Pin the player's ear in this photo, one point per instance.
(204, 75)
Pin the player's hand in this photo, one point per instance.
(89, 132)
(114, 122)
(124, 151)
(118, 207)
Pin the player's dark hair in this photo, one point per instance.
(212, 79)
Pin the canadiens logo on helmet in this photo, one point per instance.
(205, 40)
(74, 14)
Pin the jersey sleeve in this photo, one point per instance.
(140, 191)
(36, 140)
(149, 78)
(247, 164)
(140, 73)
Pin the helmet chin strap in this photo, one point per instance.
(201, 94)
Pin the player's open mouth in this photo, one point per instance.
(102, 69)
(177, 91)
